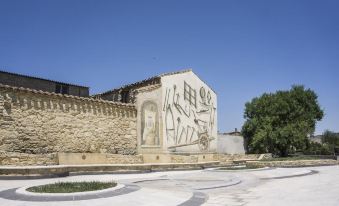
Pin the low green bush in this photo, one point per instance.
(315, 148)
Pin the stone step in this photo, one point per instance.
(65, 170)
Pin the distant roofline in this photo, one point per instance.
(234, 133)
(320, 135)
(39, 78)
(143, 81)
(150, 79)
(23, 89)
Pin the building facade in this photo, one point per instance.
(177, 112)
(19, 80)
(173, 113)
(231, 143)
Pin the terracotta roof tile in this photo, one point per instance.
(64, 95)
(143, 81)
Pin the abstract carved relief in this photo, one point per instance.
(149, 124)
(189, 120)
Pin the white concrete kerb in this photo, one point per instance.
(23, 191)
(295, 173)
(218, 169)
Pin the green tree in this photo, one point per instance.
(330, 139)
(281, 122)
(314, 148)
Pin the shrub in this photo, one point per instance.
(315, 148)
(70, 187)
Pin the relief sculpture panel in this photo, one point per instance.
(189, 117)
(149, 124)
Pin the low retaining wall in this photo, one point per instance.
(295, 163)
(63, 170)
(124, 159)
(22, 159)
(97, 158)
(227, 159)
(179, 158)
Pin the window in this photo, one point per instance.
(190, 95)
(61, 89)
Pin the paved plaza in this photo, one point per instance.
(266, 187)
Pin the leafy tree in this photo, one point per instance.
(330, 139)
(314, 148)
(280, 122)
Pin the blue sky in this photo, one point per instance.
(242, 48)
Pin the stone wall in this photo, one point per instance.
(226, 159)
(184, 159)
(97, 158)
(124, 159)
(36, 122)
(23, 159)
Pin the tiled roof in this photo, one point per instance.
(135, 84)
(234, 133)
(33, 77)
(63, 95)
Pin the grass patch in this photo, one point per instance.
(70, 187)
(242, 167)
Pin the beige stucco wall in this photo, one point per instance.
(188, 122)
(230, 144)
(39, 123)
(184, 123)
(150, 94)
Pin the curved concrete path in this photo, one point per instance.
(281, 186)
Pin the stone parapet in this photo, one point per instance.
(97, 158)
(228, 159)
(36, 122)
(22, 159)
(63, 170)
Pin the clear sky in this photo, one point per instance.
(241, 48)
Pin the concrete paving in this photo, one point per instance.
(282, 186)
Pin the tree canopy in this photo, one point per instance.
(331, 139)
(281, 122)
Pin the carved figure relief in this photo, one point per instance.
(189, 120)
(149, 124)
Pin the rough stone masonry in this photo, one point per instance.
(36, 122)
(157, 120)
